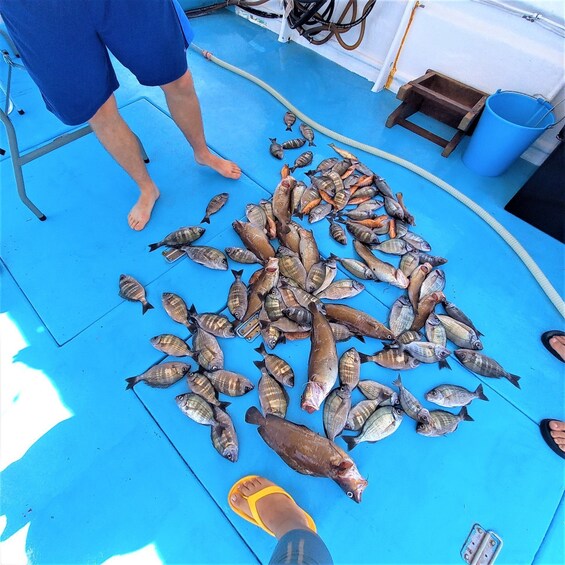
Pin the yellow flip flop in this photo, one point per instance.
(254, 498)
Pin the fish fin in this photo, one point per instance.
(282, 339)
(312, 307)
(398, 381)
(514, 380)
(360, 338)
(205, 220)
(311, 143)
(192, 311)
(351, 441)
(253, 416)
(146, 307)
(478, 332)
(154, 246)
(480, 394)
(443, 364)
(224, 405)
(260, 349)
(292, 169)
(259, 364)
(288, 128)
(464, 415)
(273, 139)
(237, 273)
(364, 358)
(131, 382)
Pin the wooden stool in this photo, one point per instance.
(444, 99)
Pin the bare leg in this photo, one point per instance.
(119, 141)
(185, 110)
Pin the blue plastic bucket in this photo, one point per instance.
(509, 124)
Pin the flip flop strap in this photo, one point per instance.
(254, 498)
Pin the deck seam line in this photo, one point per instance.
(548, 528)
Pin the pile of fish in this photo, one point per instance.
(291, 297)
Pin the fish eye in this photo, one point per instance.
(349, 494)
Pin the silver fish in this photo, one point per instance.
(383, 422)
(356, 268)
(460, 334)
(256, 215)
(336, 409)
(224, 437)
(171, 345)
(293, 143)
(230, 383)
(416, 241)
(434, 282)
(276, 149)
(459, 315)
(485, 366)
(210, 355)
(442, 422)
(427, 352)
(349, 368)
(237, 296)
(360, 413)
(272, 396)
(215, 205)
(196, 408)
(451, 396)
(160, 376)
(410, 403)
(343, 288)
(308, 133)
(289, 119)
(133, 290)
(409, 262)
(207, 256)
(242, 255)
(394, 247)
(374, 390)
(401, 315)
(182, 236)
(435, 332)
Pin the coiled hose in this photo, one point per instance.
(515, 245)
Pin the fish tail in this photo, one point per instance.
(311, 143)
(360, 338)
(282, 339)
(288, 128)
(192, 311)
(237, 274)
(398, 381)
(351, 441)
(131, 382)
(154, 246)
(259, 364)
(514, 379)
(205, 220)
(480, 394)
(443, 364)
(224, 405)
(261, 349)
(253, 416)
(146, 307)
(364, 358)
(464, 415)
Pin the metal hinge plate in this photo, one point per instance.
(249, 329)
(172, 254)
(482, 547)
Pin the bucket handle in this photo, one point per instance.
(539, 97)
(551, 110)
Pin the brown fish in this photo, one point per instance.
(349, 368)
(215, 205)
(272, 396)
(278, 368)
(268, 279)
(228, 382)
(302, 160)
(309, 453)
(308, 133)
(275, 148)
(215, 324)
(425, 308)
(176, 308)
(289, 119)
(254, 239)
(182, 236)
(171, 345)
(309, 253)
(207, 256)
(358, 321)
(241, 255)
(391, 359)
(133, 290)
(382, 271)
(281, 202)
(224, 437)
(417, 278)
(161, 376)
(201, 385)
(293, 143)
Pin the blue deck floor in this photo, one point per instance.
(90, 472)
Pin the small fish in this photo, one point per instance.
(209, 353)
(302, 160)
(254, 239)
(425, 307)
(408, 337)
(434, 282)
(276, 149)
(394, 247)
(272, 396)
(452, 396)
(460, 334)
(356, 268)
(435, 332)
(201, 385)
(171, 345)
(382, 271)
(207, 256)
(278, 368)
(442, 423)
(409, 262)
(343, 152)
(326, 164)
(271, 335)
(417, 278)
(401, 315)
(362, 233)
(319, 212)
(316, 276)
(485, 366)
(299, 314)
(308, 133)
(360, 413)
(395, 359)
(133, 290)
(273, 304)
(349, 368)
(427, 352)
(228, 382)
(241, 255)
(417, 241)
(383, 422)
(160, 376)
(337, 232)
(336, 409)
(374, 390)
(224, 437)
(343, 288)
(256, 215)
(433, 260)
(215, 205)
(343, 333)
(459, 315)
(182, 236)
(176, 308)
(216, 324)
(237, 296)
(293, 143)
(196, 408)
(289, 119)
(410, 403)
(296, 196)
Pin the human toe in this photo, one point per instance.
(557, 425)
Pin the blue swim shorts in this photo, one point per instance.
(64, 46)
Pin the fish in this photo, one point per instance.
(201, 385)
(383, 188)
(459, 315)
(336, 409)
(452, 396)
(427, 352)
(293, 143)
(341, 199)
(425, 308)
(175, 307)
(133, 290)
(410, 403)
(303, 160)
(362, 233)
(230, 383)
(254, 239)
(394, 209)
(278, 368)
(343, 333)
(274, 304)
(276, 149)
(442, 423)
(196, 408)
(271, 335)
(359, 414)
(484, 366)
(433, 260)
(171, 345)
(285, 171)
(224, 437)
(209, 353)
(435, 332)
(216, 324)
(309, 253)
(319, 212)
(241, 255)
(383, 422)
(357, 321)
(382, 271)
(356, 268)
(160, 376)
(281, 203)
(343, 152)
(207, 256)
(417, 278)
(416, 241)
(408, 336)
(182, 236)
(272, 396)
(407, 216)
(296, 196)
(401, 315)
(394, 247)
(343, 288)
(215, 205)
(349, 368)
(316, 276)
(308, 453)
(256, 215)
(308, 133)
(395, 359)
(460, 334)
(374, 390)
(237, 296)
(434, 282)
(289, 119)
(322, 362)
(326, 164)
(330, 268)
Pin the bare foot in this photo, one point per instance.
(277, 511)
(558, 344)
(557, 431)
(139, 215)
(226, 168)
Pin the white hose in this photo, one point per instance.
(524, 256)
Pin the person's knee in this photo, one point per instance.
(183, 85)
(108, 111)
